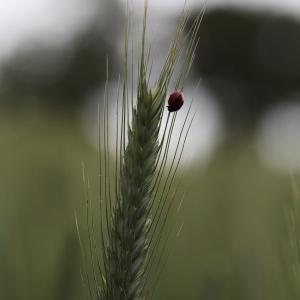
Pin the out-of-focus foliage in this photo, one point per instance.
(41, 187)
(62, 77)
(249, 61)
(233, 244)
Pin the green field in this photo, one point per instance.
(234, 243)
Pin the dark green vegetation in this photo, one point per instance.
(249, 60)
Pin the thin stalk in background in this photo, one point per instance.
(293, 226)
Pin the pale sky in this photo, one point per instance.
(53, 20)
(57, 20)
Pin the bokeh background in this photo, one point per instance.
(241, 162)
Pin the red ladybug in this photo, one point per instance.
(175, 101)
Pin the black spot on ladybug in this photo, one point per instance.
(175, 101)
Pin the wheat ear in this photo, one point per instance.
(134, 218)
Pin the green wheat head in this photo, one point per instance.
(136, 194)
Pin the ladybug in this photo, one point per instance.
(175, 101)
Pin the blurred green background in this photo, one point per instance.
(236, 241)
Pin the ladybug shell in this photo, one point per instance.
(175, 101)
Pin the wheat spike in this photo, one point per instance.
(131, 223)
